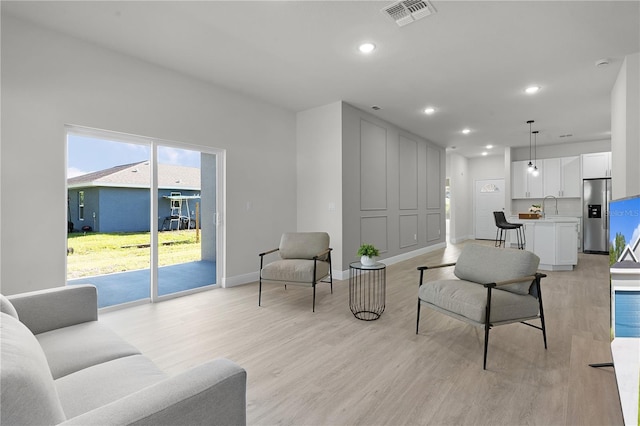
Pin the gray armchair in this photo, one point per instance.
(305, 259)
(493, 287)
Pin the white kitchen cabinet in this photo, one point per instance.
(596, 165)
(566, 243)
(562, 177)
(553, 240)
(523, 183)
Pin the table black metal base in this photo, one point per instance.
(367, 290)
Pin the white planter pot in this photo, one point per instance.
(367, 261)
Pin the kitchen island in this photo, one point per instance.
(553, 238)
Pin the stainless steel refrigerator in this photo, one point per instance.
(596, 194)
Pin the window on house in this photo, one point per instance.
(80, 205)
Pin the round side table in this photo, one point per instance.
(367, 290)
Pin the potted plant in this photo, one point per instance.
(367, 252)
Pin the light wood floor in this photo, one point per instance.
(328, 368)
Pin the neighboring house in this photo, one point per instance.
(625, 292)
(117, 199)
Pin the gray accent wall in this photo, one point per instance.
(393, 187)
(364, 180)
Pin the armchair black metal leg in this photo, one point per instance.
(260, 293)
(314, 298)
(542, 323)
(486, 345)
(487, 326)
(418, 317)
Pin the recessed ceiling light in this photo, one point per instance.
(466, 131)
(485, 153)
(429, 110)
(367, 47)
(489, 146)
(532, 89)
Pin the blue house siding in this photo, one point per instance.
(123, 210)
(120, 209)
(91, 205)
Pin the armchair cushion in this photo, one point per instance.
(469, 300)
(303, 245)
(472, 265)
(296, 271)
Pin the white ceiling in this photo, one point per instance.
(471, 60)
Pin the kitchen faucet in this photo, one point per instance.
(544, 212)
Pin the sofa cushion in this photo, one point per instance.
(469, 299)
(7, 308)
(298, 271)
(482, 264)
(73, 348)
(303, 245)
(101, 384)
(28, 394)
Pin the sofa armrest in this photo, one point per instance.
(213, 393)
(54, 308)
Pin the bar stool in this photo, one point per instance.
(503, 226)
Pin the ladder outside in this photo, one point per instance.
(176, 210)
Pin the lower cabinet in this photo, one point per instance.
(555, 243)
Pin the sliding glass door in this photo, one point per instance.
(186, 220)
(142, 216)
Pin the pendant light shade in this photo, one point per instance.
(530, 165)
(535, 171)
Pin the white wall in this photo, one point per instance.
(49, 80)
(319, 174)
(563, 150)
(481, 168)
(625, 129)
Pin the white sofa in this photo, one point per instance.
(60, 365)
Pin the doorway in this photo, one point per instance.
(488, 197)
(153, 210)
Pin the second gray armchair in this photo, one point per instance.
(304, 259)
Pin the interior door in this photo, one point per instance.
(488, 197)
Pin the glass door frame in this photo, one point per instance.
(153, 144)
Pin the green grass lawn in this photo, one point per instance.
(97, 254)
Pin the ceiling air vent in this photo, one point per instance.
(407, 11)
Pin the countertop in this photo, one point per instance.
(547, 219)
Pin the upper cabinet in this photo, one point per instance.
(562, 177)
(596, 165)
(523, 183)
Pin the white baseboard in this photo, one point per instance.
(343, 275)
(240, 279)
(337, 274)
(462, 239)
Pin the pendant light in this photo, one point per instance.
(530, 165)
(535, 171)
